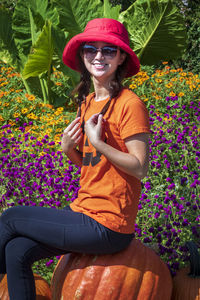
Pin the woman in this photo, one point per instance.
(109, 141)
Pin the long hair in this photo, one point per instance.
(82, 90)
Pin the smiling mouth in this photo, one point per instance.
(99, 66)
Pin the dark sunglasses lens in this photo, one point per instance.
(109, 51)
(106, 51)
(87, 49)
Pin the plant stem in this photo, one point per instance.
(26, 85)
(42, 83)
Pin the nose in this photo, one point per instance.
(99, 54)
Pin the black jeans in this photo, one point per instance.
(30, 233)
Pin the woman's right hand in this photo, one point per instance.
(71, 136)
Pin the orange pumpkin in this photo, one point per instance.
(186, 283)
(136, 273)
(43, 291)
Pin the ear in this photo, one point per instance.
(122, 57)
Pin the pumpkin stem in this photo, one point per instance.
(194, 259)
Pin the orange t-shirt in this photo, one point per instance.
(107, 194)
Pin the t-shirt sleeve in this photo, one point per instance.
(134, 118)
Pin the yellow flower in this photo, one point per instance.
(24, 110)
(181, 94)
(60, 109)
(48, 131)
(32, 116)
(16, 115)
(158, 80)
(42, 153)
(132, 86)
(172, 94)
(4, 83)
(183, 74)
(6, 104)
(169, 85)
(59, 129)
(1, 119)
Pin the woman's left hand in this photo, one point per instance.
(93, 128)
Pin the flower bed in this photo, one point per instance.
(34, 171)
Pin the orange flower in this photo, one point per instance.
(169, 85)
(31, 97)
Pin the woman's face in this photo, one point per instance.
(101, 65)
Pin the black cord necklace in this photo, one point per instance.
(102, 112)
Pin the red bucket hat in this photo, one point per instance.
(105, 30)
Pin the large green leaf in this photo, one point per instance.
(40, 59)
(75, 14)
(26, 14)
(8, 50)
(59, 40)
(157, 30)
(111, 12)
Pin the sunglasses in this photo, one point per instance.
(107, 51)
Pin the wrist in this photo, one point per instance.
(98, 145)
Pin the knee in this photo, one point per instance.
(18, 252)
(9, 213)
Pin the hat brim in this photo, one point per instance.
(70, 57)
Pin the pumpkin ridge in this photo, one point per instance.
(119, 276)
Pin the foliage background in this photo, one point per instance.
(154, 85)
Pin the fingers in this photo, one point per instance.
(72, 135)
(75, 122)
(77, 135)
(95, 119)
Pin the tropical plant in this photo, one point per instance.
(33, 38)
(134, 273)
(190, 60)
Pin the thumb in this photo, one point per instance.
(100, 117)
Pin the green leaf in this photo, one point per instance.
(33, 27)
(8, 50)
(59, 41)
(111, 12)
(39, 61)
(23, 21)
(75, 14)
(157, 30)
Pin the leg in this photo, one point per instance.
(37, 232)
(20, 278)
(61, 229)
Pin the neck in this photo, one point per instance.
(101, 90)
